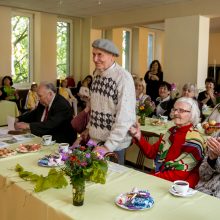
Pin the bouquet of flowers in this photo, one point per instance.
(81, 165)
(146, 107)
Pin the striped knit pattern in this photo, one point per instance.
(192, 151)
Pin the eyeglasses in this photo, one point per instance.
(179, 110)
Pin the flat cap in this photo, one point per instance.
(106, 45)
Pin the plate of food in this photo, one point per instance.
(135, 200)
(6, 152)
(52, 160)
(157, 122)
(28, 148)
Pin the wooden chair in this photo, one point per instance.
(141, 157)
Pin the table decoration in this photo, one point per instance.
(144, 109)
(54, 179)
(81, 165)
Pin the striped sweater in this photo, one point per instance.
(113, 103)
(177, 154)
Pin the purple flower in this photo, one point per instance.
(64, 156)
(88, 155)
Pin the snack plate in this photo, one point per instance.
(157, 123)
(46, 159)
(44, 165)
(24, 149)
(135, 208)
(8, 154)
(189, 193)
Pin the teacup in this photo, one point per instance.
(181, 186)
(47, 139)
(63, 148)
(164, 118)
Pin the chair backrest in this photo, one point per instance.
(141, 157)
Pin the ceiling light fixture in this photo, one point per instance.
(99, 2)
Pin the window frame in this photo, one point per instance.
(130, 49)
(153, 48)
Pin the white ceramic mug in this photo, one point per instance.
(47, 139)
(63, 148)
(181, 186)
(164, 118)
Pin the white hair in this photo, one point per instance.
(195, 112)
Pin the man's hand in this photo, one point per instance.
(22, 126)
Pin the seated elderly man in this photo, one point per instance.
(52, 116)
(179, 152)
(209, 170)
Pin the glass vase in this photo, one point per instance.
(78, 190)
(142, 119)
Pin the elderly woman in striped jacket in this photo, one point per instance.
(180, 151)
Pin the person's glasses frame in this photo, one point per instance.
(180, 110)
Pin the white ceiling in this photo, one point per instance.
(85, 8)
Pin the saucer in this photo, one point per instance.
(51, 143)
(189, 193)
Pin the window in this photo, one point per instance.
(150, 48)
(63, 49)
(126, 48)
(21, 25)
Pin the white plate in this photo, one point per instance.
(129, 208)
(189, 193)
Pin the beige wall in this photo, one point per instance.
(186, 50)
(214, 48)
(95, 34)
(5, 43)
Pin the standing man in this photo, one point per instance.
(112, 101)
(52, 116)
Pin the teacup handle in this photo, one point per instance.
(112, 156)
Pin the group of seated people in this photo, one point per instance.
(182, 153)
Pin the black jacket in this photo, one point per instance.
(58, 123)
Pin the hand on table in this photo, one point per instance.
(21, 126)
(135, 131)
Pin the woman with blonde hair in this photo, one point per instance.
(140, 88)
(67, 94)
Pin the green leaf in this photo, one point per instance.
(54, 179)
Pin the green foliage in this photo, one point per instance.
(63, 49)
(20, 48)
(54, 179)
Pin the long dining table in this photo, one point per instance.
(18, 201)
